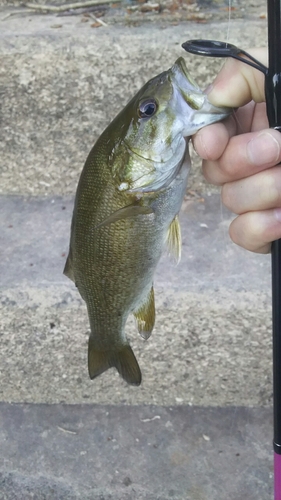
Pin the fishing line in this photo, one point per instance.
(225, 230)
(272, 75)
(241, 128)
(229, 19)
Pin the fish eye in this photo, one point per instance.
(147, 108)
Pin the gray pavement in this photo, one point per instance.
(209, 359)
(95, 452)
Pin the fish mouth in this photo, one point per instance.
(191, 103)
(186, 86)
(179, 71)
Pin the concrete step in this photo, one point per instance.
(61, 81)
(94, 452)
(211, 346)
(212, 340)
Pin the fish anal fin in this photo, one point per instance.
(174, 239)
(68, 270)
(145, 316)
(123, 360)
(124, 213)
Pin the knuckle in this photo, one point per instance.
(228, 167)
(269, 191)
(211, 172)
(246, 231)
(234, 232)
(226, 196)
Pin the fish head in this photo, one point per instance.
(168, 109)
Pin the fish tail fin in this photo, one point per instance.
(123, 360)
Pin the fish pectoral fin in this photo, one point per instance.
(174, 239)
(68, 270)
(145, 316)
(123, 360)
(124, 213)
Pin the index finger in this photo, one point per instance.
(237, 83)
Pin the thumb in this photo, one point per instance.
(237, 83)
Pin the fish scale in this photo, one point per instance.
(126, 209)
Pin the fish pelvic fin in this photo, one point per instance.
(145, 316)
(174, 239)
(123, 360)
(68, 270)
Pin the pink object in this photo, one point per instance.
(277, 476)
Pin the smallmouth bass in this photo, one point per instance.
(126, 210)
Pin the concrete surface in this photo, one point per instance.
(94, 452)
(62, 86)
(61, 81)
(212, 340)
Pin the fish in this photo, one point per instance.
(126, 212)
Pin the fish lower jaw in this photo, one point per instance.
(202, 120)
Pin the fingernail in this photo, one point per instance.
(277, 214)
(263, 149)
(202, 145)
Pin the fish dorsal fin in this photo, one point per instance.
(145, 316)
(124, 213)
(174, 239)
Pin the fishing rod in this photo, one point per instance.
(273, 107)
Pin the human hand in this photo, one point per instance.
(240, 154)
